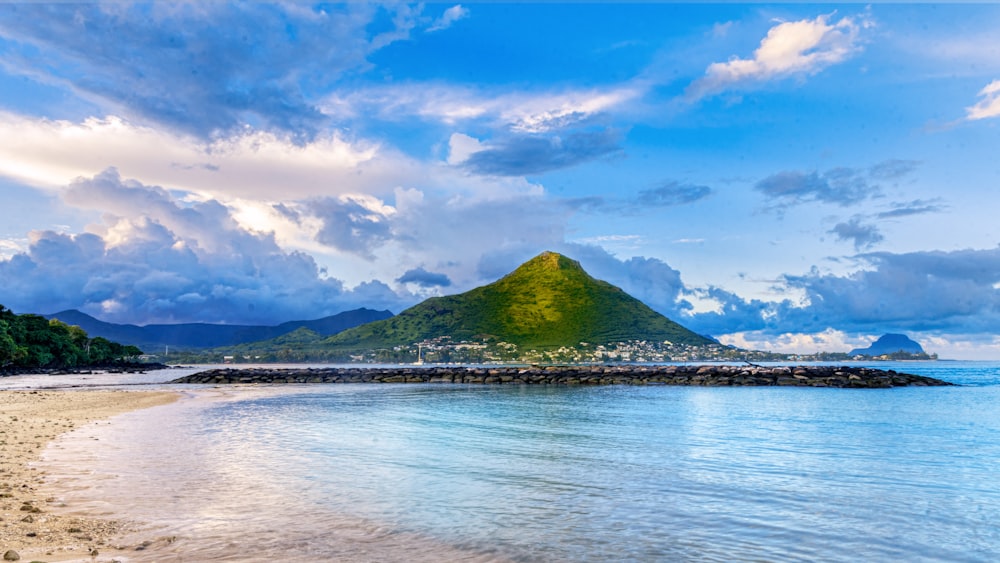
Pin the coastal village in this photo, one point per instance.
(443, 350)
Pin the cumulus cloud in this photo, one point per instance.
(121, 56)
(954, 346)
(526, 155)
(155, 259)
(10, 247)
(790, 48)
(201, 223)
(829, 340)
(423, 278)
(988, 105)
(448, 18)
(461, 147)
(932, 290)
(428, 226)
(357, 224)
(156, 277)
(863, 236)
(184, 258)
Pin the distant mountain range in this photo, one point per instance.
(889, 344)
(156, 337)
(547, 302)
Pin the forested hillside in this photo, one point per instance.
(32, 341)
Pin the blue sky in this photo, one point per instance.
(794, 177)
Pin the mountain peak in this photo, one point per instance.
(547, 302)
(549, 260)
(889, 344)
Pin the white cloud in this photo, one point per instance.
(721, 29)
(955, 346)
(253, 166)
(829, 340)
(614, 239)
(10, 247)
(962, 347)
(460, 147)
(800, 47)
(989, 105)
(544, 113)
(48, 153)
(450, 16)
(520, 112)
(156, 258)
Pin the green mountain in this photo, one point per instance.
(548, 302)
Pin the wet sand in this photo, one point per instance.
(29, 524)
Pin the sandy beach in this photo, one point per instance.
(28, 421)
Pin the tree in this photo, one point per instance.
(32, 341)
(99, 351)
(8, 348)
(131, 353)
(64, 345)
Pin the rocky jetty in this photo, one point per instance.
(700, 375)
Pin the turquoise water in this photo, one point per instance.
(524, 473)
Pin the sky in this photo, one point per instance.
(788, 177)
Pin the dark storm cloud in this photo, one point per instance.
(423, 278)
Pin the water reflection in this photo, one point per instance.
(405, 472)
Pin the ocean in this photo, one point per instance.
(530, 473)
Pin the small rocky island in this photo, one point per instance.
(691, 375)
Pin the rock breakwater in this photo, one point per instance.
(692, 375)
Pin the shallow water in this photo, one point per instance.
(525, 473)
(103, 379)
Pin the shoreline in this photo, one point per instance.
(31, 524)
(123, 367)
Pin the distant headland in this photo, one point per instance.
(893, 347)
